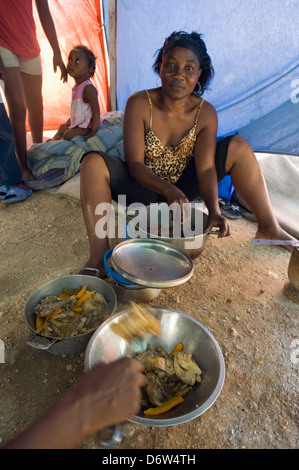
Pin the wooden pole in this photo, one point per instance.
(112, 52)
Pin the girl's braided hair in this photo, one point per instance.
(90, 57)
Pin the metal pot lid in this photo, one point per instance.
(151, 263)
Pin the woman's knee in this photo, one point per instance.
(238, 148)
(95, 163)
(239, 144)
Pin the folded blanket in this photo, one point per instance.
(54, 162)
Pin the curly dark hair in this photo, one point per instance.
(90, 57)
(194, 42)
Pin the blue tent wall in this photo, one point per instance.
(254, 48)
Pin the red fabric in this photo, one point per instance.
(17, 28)
(76, 22)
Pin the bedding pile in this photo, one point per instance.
(54, 162)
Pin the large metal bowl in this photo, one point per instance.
(69, 345)
(158, 215)
(176, 327)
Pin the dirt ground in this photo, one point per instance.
(257, 329)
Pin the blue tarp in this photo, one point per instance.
(254, 48)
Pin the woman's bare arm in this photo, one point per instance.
(50, 32)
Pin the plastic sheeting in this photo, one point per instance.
(254, 48)
(76, 22)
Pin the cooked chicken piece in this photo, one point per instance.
(52, 303)
(96, 302)
(52, 331)
(186, 369)
(156, 391)
(146, 356)
(162, 366)
(76, 327)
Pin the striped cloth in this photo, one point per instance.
(54, 162)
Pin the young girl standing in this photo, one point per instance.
(85, 111)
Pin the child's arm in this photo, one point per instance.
(90, 95)
(61, 130)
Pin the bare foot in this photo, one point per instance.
(27, 176)
(278, 234)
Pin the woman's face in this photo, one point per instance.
(179, 72)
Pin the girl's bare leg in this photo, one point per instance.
(69, 134)
(249, 183)
(94, 189)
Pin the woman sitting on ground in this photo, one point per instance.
(172, 153)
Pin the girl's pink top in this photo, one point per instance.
(81, 114)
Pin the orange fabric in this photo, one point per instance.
(17, 28)
(76, 22)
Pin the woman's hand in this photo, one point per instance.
(110, 393)
(215, 219)
(174, 195)
(58, 62)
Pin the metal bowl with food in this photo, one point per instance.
(177, 327)
(76, 342)
(156, 222)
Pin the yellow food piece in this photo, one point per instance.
(45, 323)
(38, 322)
(81, 292)
(76, 309)
(166, 406)
(63, 296)
(41, 323)
(84, 297)
(59, 310)
(178, 348)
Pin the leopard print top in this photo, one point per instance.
(169, 162)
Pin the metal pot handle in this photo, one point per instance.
(111, 272)
(41, 342)
(109, 438)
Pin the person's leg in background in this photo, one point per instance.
(17, 114)
(11, 188)
(23, 88)
(31, 74)
(10, 171)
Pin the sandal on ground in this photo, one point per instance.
(90, 272)
(16, 195)
(231, 211)
(3, 191)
